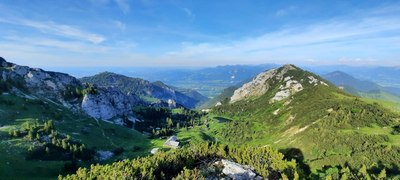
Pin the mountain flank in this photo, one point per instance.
(287, 106)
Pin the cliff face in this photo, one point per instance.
(106, 104)
(109, 104)
(39, 83)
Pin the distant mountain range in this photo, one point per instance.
(207, 81)
(213, 80)
(384, 76)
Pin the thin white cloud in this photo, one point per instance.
(123, 5)
(63, 30)
(369, 37)
(43, 42)
(285, 11)
(45, 52)
(189, 13)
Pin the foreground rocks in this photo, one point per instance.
(226, 169)
(236, 171)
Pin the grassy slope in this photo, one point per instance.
(331, 146)
(328, 126)
(393, 104)
(100, 135)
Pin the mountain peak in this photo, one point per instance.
(287, 80)
(289, 66)
(338, 73)
(108, 73)
(3, 62)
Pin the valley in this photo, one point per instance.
(109, 117)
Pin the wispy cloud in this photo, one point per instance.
(50, 27)
(44, 42)
(367, 37)
(123, 5)
(189, 13)
(285, 11)
(47, 52)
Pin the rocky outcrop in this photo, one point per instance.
(171, 103)
(259, 85)
(290, 87)
(108, 103)
(40, 83)
(237, 171)
(287, 80)
(105, 104)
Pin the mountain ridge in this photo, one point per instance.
(142, 87)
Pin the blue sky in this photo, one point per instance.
(81, 33)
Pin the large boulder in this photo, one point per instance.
(237, 171)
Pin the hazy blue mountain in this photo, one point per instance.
(362, 88)
(384, 76)
(348, 82)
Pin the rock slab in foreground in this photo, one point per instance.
(237, 171)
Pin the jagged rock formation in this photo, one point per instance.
(40, 83)
(65, 90)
